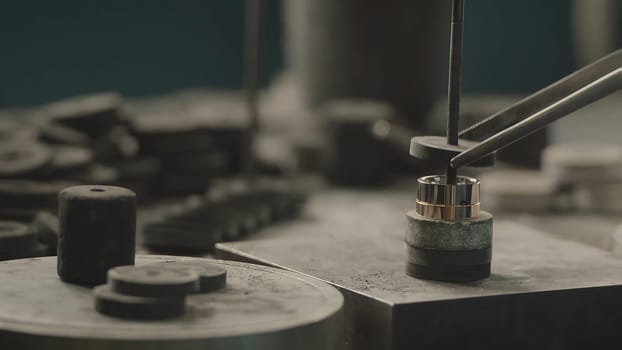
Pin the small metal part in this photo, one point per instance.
(436, 199)
(111, 303)
(97, 232)
(211, 277)
(153, 280)
(435, 149)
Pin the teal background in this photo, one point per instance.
(54, 49)
(516, 46)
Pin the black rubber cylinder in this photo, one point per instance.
(97, 232)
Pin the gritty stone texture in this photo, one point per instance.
(425, 233)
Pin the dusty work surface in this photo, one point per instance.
(268, 307)
(547, 288)
(356, 240)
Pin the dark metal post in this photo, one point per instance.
(455, 80)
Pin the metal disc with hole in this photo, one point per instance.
(272, 309)
(23, 159)
(109, 302)
(435, 149)
(211, 277)
(26, 194)
(153, 281)
(69, 158)
(16, 240)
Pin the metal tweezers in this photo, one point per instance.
(533, 113)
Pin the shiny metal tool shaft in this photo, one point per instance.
(455, 80)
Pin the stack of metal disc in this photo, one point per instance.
(198, 226)
(593, 172)
(515, 190)
(192, 152)
(93, 114)
(260, 307)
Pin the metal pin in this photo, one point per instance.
(455, 80)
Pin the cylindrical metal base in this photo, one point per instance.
(96, 233)
(451, 251)
(261, 308)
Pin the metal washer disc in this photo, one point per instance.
(108, 302)
(153, 281)
(267, 307)
(211, 277)
(436, 149)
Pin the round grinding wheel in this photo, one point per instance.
(267, 307)
(212, 277)
(109, 302)
(27, 194)
(153, 281)
(435, 149)
(97, 232)
(582, 163)
(16, 240)
(517, 190)
(20, 159)
(69, 158)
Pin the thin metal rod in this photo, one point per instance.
(598, 89)
(253, 45)
(454, 85)
(455, 72)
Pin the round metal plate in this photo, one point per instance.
(153, 281)
(436, 149)
(261, 307)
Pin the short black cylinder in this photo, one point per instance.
(97, 232)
